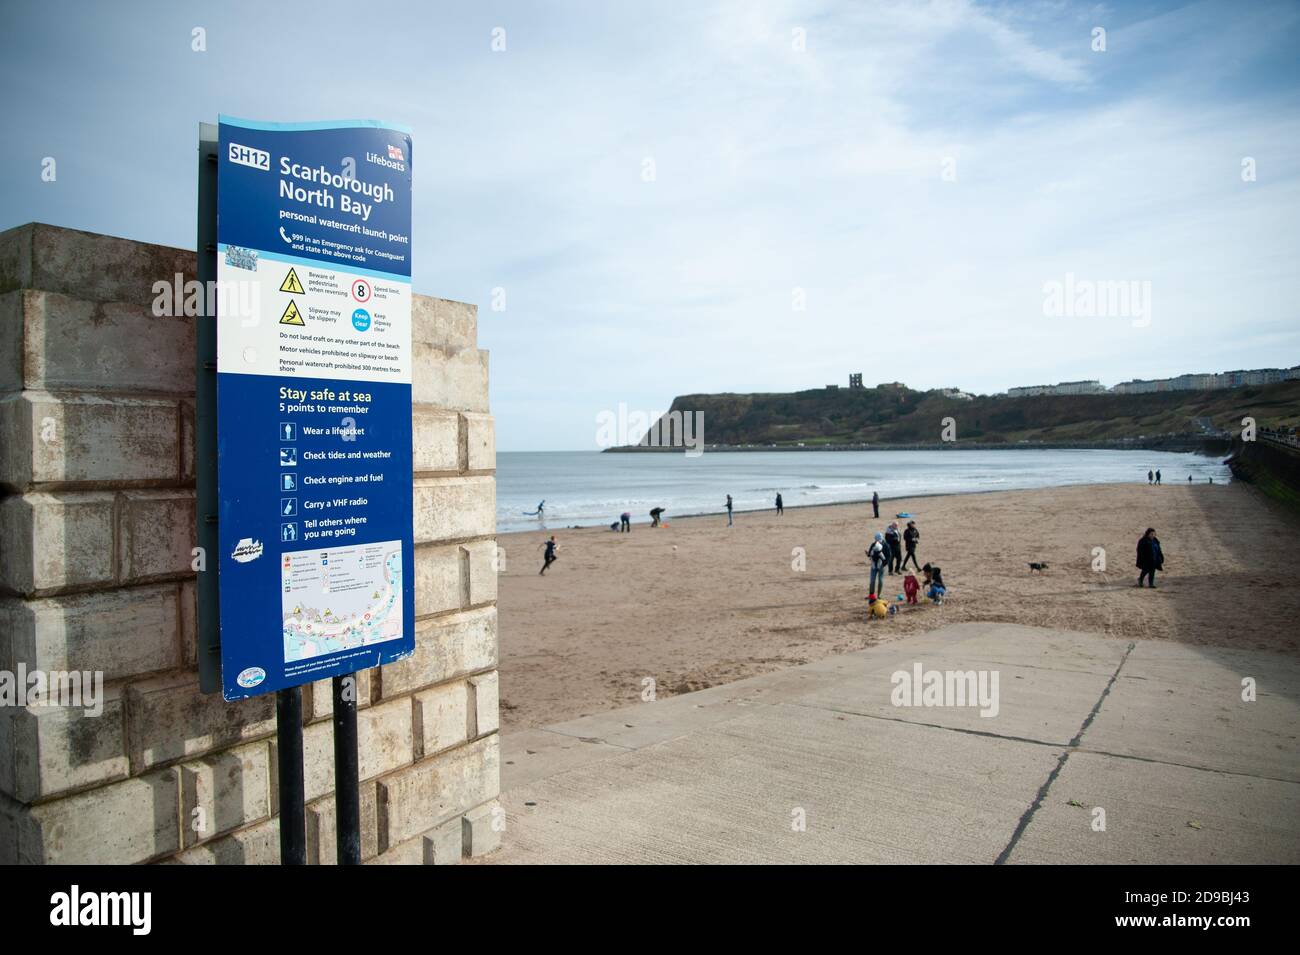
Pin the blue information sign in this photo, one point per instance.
(314, 368)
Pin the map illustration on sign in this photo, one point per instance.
(341, 598)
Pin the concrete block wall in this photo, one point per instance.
(97, 527)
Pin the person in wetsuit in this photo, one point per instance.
(549, 556)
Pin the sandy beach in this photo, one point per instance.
(695, 603)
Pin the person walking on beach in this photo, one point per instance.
(1157, 475)
(780, 508)
(910, 537)
(549, 557)
(875, 504)
(1150, 557)
(1151, 478)
(878, 555)
(728, 510)
(655, 514)
(895, 541)
(625, 522)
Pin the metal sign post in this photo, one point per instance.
(347, 787)
(293, 806)
(205, 417)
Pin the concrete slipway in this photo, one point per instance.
(1155, 734)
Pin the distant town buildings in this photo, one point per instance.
(1138, 386)
(1064, 388)
(1207, 382)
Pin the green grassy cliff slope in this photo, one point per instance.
(898, 415)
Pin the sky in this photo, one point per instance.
(647, 201)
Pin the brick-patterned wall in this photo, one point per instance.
(96, 536)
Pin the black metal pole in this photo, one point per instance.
(205, 418)
(347, 791)
(293, 812)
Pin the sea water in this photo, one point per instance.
(586, 488)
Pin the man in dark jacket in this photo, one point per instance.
(895, 541)
(1150, 557)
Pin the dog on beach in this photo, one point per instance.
(1039, 566)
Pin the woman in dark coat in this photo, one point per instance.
(1149, 557)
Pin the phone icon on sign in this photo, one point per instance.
(284, 235)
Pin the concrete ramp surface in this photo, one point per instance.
(1094, 750)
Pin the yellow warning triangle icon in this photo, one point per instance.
(291, 284)
(291, 315)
